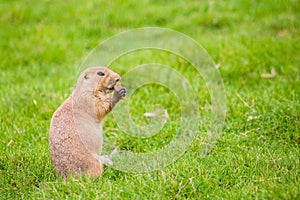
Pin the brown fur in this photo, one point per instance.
(75, 137)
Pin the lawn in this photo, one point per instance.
(256, 46)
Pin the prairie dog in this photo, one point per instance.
(75, 136)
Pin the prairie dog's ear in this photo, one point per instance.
(86, 76)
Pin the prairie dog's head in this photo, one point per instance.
(97, 79)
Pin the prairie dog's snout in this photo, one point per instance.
(107, 79)
(117, 78)
(114, 79)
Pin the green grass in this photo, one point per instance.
(43, 42)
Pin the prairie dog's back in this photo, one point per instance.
(68, 153)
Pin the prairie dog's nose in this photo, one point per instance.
(117, 78)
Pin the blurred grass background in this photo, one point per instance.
(256, 157)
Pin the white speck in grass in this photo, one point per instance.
(252, 118)
(192, 183)
(269, 75)
(209, 133)
(149, 115)
(10, 142)
(34, 101)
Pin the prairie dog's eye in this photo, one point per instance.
(100, 73)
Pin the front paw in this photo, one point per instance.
(119, 93)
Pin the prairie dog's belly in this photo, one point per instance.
(90, 133)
